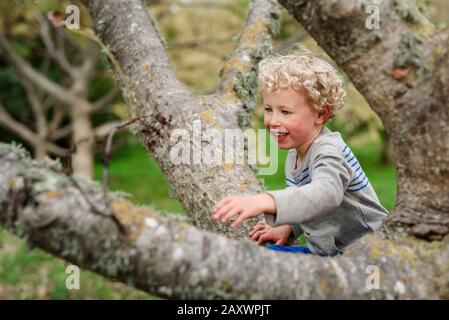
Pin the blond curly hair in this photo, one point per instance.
(306, 73)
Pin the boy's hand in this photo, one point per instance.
(244, 207)
(263, 232)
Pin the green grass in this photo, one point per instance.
(133, 171)
(34, 274)
(382, 177)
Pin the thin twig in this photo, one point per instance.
(94, 209)
(107, 154)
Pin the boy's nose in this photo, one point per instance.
(274, 122)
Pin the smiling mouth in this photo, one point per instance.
(278, 134)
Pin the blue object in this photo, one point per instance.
(294, 249)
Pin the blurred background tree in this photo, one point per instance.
(59, 86)
(199, 36)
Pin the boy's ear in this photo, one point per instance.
(324, 114)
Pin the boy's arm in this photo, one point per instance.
(330, 176)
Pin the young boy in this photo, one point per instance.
(328, 196)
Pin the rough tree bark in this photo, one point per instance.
(176, 260)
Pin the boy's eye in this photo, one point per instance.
(285, 112)
(268, 109)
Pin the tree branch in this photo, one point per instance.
(102, 131)
(106, 99)
(56, 120)
(168, 257)
(16, 127)
(26, 70)
(239, 74)
(201, 45)
(37, 107)
(199, 42)
(55, 51)
(60, 132)
(57, 150)
(152, 62)
(27, 135)
(90, 55)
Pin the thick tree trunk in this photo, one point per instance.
(40, 150)
(407, 88)
(171, 258)
(83, 137)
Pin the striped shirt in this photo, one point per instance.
(328, 198)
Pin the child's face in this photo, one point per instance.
(288, 111)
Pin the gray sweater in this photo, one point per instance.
(329, 198)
